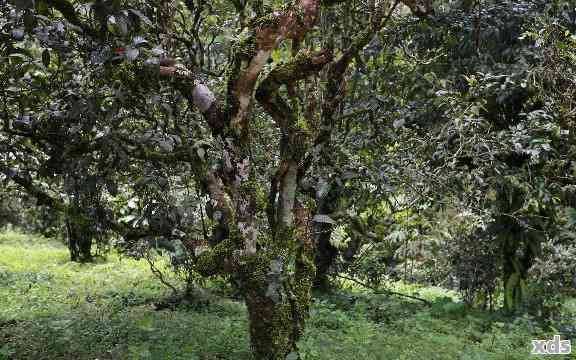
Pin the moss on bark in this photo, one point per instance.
(278, 301)
(213, 261)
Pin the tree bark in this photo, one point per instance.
(326, 254)
(278, 305)
(271, 331)
(515, 267)
(79, 241)
(275, 326)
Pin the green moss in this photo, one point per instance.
(273, 321)
(285, 237)
(212, 262)
(254, 271)
(304, 278)
(278, 322)
(303, 125)
(287, 324)
(261, 198)
(265, 21)
(246, 47)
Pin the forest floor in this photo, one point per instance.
(53, 309)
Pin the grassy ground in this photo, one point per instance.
(53, 309)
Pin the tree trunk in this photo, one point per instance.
(274, 326)
(518, 255)
(511, 279)
(515, 275)
(278, 306)
(275, 275)
(325, 256)
(79, 241)
(275, 284)
(325, 252)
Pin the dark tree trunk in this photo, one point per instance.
(79, 241)
(325, 253)
(518, 258)
(510, 278)
(276, 276)
(325, 256)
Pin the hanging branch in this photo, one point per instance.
(160, 275)
(380, 291)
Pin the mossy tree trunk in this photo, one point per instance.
(518, 256)
(278, 307)
(275, 327)
(272, 331)
(273, 260)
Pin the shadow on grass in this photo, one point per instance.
(92, 331)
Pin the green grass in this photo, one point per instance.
(53, 309)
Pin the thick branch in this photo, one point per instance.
(42, 198)
(287, 196)
(301, 67)
(284, 182)
(197, 93)
(253, 53)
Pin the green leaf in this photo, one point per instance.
(212, 20)
(277, 55)
(127, 219)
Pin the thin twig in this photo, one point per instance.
(380, 291)
(160, 275)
